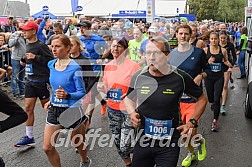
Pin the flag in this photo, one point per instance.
(74, 5)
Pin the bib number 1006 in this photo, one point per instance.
(157, 130)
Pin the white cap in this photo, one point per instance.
(153, 29)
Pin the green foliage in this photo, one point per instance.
(222, 10)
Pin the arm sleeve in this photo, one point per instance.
(13, 39)
(41, 26)
(46, 55)
(80, 87)
(131, 94)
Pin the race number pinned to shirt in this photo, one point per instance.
(215, 67)
(57, 102)
(28, 69)
(158, 129)
(115, 95)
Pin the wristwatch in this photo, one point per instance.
(68, 96)
(194, 122)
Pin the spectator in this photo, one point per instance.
(9, 27)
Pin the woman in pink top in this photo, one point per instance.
(116, 80)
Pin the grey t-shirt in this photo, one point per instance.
(177, 58)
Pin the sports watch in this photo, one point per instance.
(194, 122)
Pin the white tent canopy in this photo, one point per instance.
(109, 7)
(106, 7)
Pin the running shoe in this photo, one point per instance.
(214, 126)
(188, 160)
(103, 109)
(202, 150)
(223, 110)
(25, 141)
(16, 97)
(21, 97)
(87, 164)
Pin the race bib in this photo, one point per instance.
(59, 102)
(115, 95)
(158, 129)
(215, 67)
(28, 69)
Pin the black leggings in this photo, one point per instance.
(161, 156)
(214, 89)
(16, 114)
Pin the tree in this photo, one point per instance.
(222, 10)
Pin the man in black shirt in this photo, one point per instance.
(35, 61)
(9, 27)
(156, 91)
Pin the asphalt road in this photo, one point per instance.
(231, 146)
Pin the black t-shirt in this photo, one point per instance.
(39, 64)
(218, 59)
(159, 97)
(87, 69)
(231, 52)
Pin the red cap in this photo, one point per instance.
(30, 25)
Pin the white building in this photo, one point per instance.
(106, 7)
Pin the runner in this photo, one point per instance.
(16, 115)
(217, 65)
(192, 60)
(95, 46)
(116, 79)
(36, 58)
(156, 92)
(194, 40)
(134, 46)
(65, 96)
(224, 43)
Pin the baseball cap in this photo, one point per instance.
(153, 29)
(30, 25)
(10, 16)
(84, 24)
(128, 24)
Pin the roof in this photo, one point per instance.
(15, 8)
(109, 7)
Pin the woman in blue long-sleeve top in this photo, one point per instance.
(67, 90)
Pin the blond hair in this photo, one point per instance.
(79, 43)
